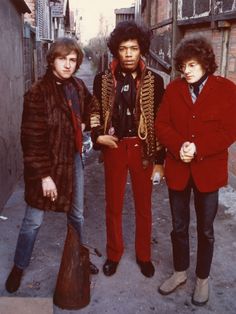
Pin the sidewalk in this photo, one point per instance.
(128, 291)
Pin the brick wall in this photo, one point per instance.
(153, 12)
(232, 54)
(232, 166)
(11, 97)
(215, 37)
(225, 52)
(164, 10)
(232, 76)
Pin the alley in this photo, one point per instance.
(128, 291)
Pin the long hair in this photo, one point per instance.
(129, 30)
(197, 48)
(61, 47)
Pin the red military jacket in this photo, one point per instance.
(210, 123)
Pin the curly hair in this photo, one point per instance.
(129, 30)
(61, 47)
(198, 48)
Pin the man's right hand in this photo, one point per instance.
(108, 140)
(187, 152)
(49, 188)
(94, 121)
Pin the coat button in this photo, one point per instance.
(193, 135)
(194, 116)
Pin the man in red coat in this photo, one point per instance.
(196, 123)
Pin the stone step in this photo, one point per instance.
(19, 305)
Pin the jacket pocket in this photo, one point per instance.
(211, 120)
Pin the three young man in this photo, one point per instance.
(196, 123)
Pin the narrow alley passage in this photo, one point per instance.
(128, 291)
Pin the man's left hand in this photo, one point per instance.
(158, 169)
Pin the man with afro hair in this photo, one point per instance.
(128, 95)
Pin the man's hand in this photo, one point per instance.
(94, 121)
(187, 152)
(49, 188)
(82, 126)
(157, 169)
(108, 140)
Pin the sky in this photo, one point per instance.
(91, 12)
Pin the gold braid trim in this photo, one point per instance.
(107, 98)
(142, 128)
(146, 131)
(94, 114)
(146, 123)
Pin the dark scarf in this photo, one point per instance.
(123, 115)
(196, 85)
(71, 96)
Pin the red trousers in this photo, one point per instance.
(117, 163)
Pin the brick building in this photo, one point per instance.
(172, 20)
(125, 14)
(48, 20)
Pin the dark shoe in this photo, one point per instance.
(93, 269)
(14, 279)
(147, 268)
(109, 268)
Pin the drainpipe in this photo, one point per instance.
(225, 26)
(176, 36)
(148, 13)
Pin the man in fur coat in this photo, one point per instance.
(56, 111)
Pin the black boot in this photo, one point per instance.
(93, 269)
(14, 279)
(109, 268)
(147, 268)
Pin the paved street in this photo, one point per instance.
(128, 291)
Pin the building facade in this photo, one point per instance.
(172, 20)
(11, 93)
(27, 29)
(125, 14)
(47, 21)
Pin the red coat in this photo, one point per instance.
(210, 123)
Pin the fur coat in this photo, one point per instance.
(48, 141)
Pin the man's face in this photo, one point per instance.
(129, 55)
(192, 71)
(64, 67)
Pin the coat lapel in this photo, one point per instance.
(185, 93)
(207, 89)
(210, 84)
(61, 102)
